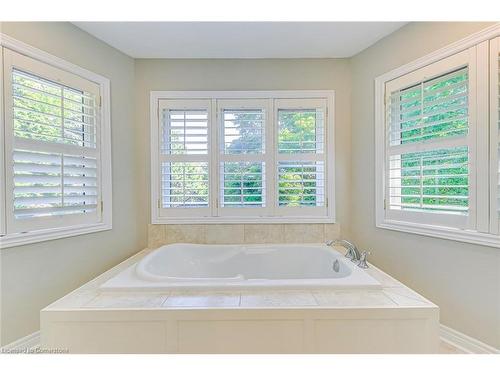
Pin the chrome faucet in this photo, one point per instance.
(362, 260)
(352, 251)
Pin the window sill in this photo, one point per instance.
(460, 235)
(20, 239)
(243, 220)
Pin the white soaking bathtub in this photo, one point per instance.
(191, 266)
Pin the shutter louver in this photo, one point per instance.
(185, 184)
(185, 132)
(55, 148)
(428, 156)
(243, 131)
(243, 184)
(301, 183)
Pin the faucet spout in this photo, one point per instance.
(352, 251)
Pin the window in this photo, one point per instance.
(184, 156)
(54, 131)
(242, 157)
(437, 145)
(244, 128)
(428, 125)
(301, 157)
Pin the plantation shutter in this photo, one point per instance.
(430, 144)
(184, 157)
(496, 109)
(494, 80)
(301, 164)
(243, 156)
(53, 174)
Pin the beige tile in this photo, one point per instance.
(75, 300)
(352, 298)
(405, 297)
(203, 300)
(156, 235)
(332, 231)
(304, 233)
(264, 233)
(277, 299)
(126, 300)
(383, 278)
(185, 233)
(225, 233)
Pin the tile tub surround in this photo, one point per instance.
(159, 234)
(394, 319)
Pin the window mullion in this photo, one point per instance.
(271, 142)
(214, 127)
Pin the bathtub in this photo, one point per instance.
(191, 266)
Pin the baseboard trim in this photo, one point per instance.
(464, 343)
(459, 340)
(25, 344)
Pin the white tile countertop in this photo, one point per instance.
(392, 295)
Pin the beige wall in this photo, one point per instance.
(33, 276)
(258, 74)
(463, 279)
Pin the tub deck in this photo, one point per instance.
(393, 319)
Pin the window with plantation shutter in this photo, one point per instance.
(242, 157)
(242, 137)
(184, 155)
(301, 155)
(54, 155)
(430, 144)
(428, 150)
(53, 151)
(437, 145)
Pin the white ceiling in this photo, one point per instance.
(239, 39)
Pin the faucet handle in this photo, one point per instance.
(362, 259)
(329, 242)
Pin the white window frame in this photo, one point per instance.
(104, 221)
(482, 230)
(269, 214)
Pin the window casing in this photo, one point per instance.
(437, 144)
(56, 148)
(246, 172)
